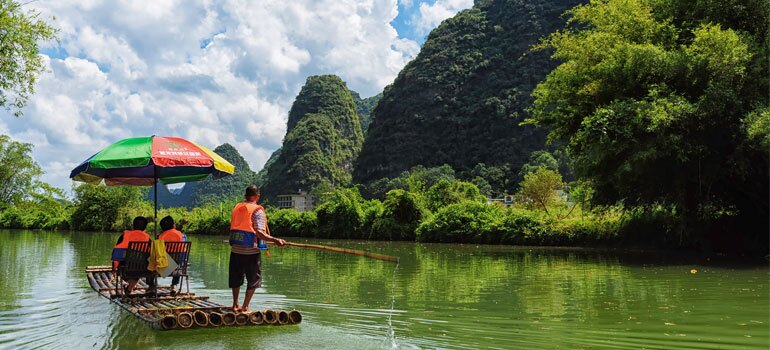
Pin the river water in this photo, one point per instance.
(444, 296)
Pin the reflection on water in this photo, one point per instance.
(446, 296)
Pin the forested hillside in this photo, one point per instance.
(212, 190)
(322, 140)
(460, 101)
(262, 175)
(364, 108)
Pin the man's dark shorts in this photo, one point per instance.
(245, 265)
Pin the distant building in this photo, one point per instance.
(507, 200)
(301, 201)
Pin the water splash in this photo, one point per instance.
(391, 336)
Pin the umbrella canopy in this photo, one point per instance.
(143, 161)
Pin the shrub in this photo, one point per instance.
(372, 211)
(341, 216)
(523, 227)
(402, 212)
(291, 223)
(444, 193)
(212, 219)
(464, 222)
(34, 215)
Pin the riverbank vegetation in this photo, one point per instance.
(429, 209)
(658, 121)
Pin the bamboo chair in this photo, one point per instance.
(134, 265)
(180, 252)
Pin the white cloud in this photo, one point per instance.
(210, 71)
(431, 15)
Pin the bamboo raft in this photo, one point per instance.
(165, 311)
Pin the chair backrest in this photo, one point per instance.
(135, 262)
(180, 252)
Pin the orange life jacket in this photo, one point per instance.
(172, 235)
(241, 227)
(119, 252)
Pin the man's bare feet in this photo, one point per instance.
(244, 308)
(236, 308)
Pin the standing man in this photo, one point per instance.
(247, 225)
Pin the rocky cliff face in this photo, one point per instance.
(322, 141)
(460, 101)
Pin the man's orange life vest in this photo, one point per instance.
(172, 235)
(119, 252)
(242, 231)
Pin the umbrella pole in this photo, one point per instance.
(155, 189)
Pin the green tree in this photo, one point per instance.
(483, 185)
(402, 212)
(417, 179)
(540, 187)
(97, 207)
(538, 160)
(18, 170)
(444, 193)
(20, 34)
(341, 216)
(497, 177)
(656, 102)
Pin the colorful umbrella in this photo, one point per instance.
(142, 161)
(145, 161)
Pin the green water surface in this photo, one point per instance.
(443, 296)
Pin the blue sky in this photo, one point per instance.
(212, 72)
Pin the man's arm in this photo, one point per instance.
(260, 226)
(120, 239)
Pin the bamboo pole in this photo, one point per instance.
(228, 319)
(382, 257)
(185, 319)
(256, 318)
(168, 322)
(295, 317)
(283, 317)
(270, 316)
(241, 319)
(215, 319)
(201, 318)
(344, 251)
